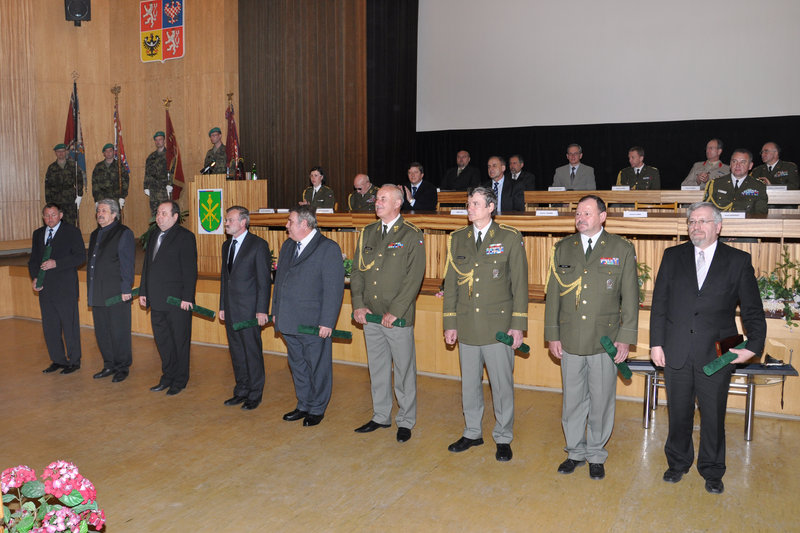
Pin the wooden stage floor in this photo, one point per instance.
(189, 464)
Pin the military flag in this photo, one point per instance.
(174, 166)
(232, 150)
(119, 147)
(73, 134)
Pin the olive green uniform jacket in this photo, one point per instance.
(364, 203)
(783, 173)
(751, 198)
(324, 197)
(649, 178)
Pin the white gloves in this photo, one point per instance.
(169, 189)
(122, 202)
(147, 192)
(78, 201)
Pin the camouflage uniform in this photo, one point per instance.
(106, 181)
(59, 187)
(220, 156)
(363, 202)
(156, 178)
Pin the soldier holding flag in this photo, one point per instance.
(63, 184)
(109, 179)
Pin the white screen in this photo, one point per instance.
(508, 63)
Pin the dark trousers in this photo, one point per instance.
(683, 386)
(112, 329)
(310, 360)
(60, 316)
(172, 331)
(248, 361)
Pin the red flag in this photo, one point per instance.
(118, 145)
(174, 160)
(73, 134)
(232, 152)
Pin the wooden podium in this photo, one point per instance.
(251, 194)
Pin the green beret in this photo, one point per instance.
(107, 146)
(214, 130)
(158, 134)
(60, 146)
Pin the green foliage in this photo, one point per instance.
(348, 266)
(783, 283)
(33, 489)
(643, 271)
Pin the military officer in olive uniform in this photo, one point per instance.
(319, 194)
(592, 291)
(157, 181)
(775, 171)
(217, 154)
(485, 292)
(388, 267)
(110, 178)
(738, 191)
(363, 200)
(638, 176)
(63, 184)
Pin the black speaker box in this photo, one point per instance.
(78, 10)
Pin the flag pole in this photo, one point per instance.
(75, 126)
(170, 172)
(115, 90)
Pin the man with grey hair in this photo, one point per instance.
(485, 292)
(699, 285)
(309, 286)
(518, 175)
(388, 268)
(109, 282)
(575, 175)
(776, 171)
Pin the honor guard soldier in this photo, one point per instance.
(63, 184)
(157, 182)
(109, 178)
(216, 154)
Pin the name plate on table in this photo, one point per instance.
(328, 210)
(547, 212)
(556, 188)
(777, 188)
(282, 210)
(266, 210)
(634, 214)
(458, 212)
(621, 188)
(690, 187)
(733, 214)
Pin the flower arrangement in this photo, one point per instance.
(63, 500)
(643, 273)
(348, 265)
(780, 290)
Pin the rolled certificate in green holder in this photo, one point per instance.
(253, 322)
(314, 330)
(507, 339)
(195, 309)
(722, 361)
(118, 298)
(45, 256)
(611, 350)
(377, 319)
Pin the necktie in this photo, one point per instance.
(313, 194)
(383, 232)
(770, 168)
(735, 186)
(478, 241)
(458, 172)
(413, 191)
(589, 249)
(297, 250)
(494, 187)
(49, 237)
(701, 263)
(572, 176)
(231, 255)
(158, 244)
(637, 172)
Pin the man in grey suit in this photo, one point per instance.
(244, 296)
(575, 176)
(309, 286)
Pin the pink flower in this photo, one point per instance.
(60, 478)
(62, 519)
(87, 490)
(16, 477)
(94, 518)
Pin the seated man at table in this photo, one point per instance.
(522, 177)
(419, 195)
(575, 176)
(363, 197)
(712, 168)
(638, 176)
(738, 191)
(462, 176)
(510, 194)
(774, 171)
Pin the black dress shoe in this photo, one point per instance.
(673, 476)
(52, 368)
(235, 400)
(159, 387)
(463, 444)
(173, 391)
(249, 405)
(103, 373)
(568, 466)
(597, 471)
(715, 486)
(403, 434)
(312, 420)
(297, 414)
(70, 369)
(370, 426)
(122, 375)
(503, 452)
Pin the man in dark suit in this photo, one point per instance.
(419, 195)
(244, 296)
(521, 177)
(698, 287)
(575, 176)
(109, 274)
(58, 295)
(170, 269)
(309, 285)
(462, 176)
(510, 195)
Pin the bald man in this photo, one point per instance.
(363, 198)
